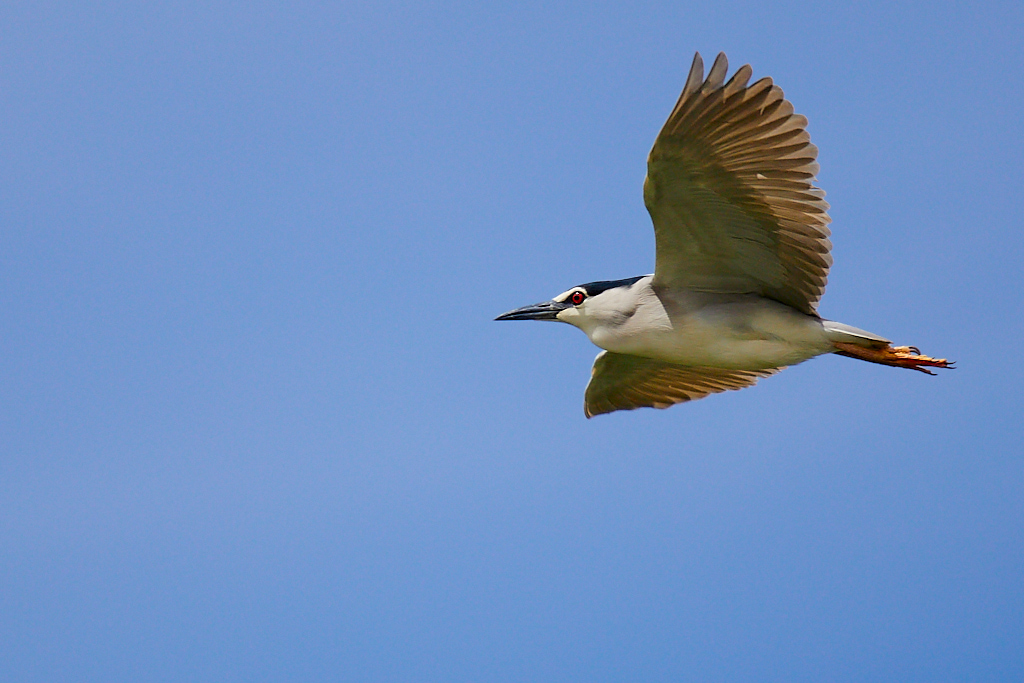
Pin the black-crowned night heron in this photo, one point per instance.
(742, 259)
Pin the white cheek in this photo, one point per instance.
(569, 315)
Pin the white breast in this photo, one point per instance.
(750, 333)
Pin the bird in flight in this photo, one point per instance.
(742, 257)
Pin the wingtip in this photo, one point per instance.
(696, 75)
(716, 76)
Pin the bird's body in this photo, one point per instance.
(689, 327)
(742, 259)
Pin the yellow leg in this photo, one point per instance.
(897, 356)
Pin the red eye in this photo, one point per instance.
(577, 298)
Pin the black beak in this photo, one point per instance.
(547, 310)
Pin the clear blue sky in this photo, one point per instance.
(257, 424)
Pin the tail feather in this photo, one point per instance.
(838, 332)
(897, 356)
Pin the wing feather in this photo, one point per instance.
(730, 190)
(622, 382)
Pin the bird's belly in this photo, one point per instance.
(739, 337)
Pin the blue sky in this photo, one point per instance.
(257, 422)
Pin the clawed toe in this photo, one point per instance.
(898, 356)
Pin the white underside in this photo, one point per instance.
(691, 328)
(737, 336)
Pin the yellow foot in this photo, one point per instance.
(897, 356)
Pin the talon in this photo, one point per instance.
(909, 357)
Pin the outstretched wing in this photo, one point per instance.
(622, 382)
(729, 188)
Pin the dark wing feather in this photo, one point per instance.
(622, 382)
(730, 190)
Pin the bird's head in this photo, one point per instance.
(584, 305)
